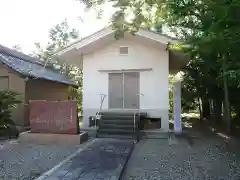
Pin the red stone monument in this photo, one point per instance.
(58, 117)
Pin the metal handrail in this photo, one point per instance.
(134, 122)
(134, 118)
(102, 96)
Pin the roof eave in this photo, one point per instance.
(108, 31)
(36, 78)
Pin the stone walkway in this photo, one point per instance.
(208, 158)
(103, 159)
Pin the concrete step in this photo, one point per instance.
(116, 131)
(120, 113)
(102, 135)
(116, 122)
(118, 126)
(114, 117)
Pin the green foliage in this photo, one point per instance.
(17, 47)
(8, 100)
(59, 37)
(132, 14)
(211, 30)
(76, 94)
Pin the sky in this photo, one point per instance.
(24, 22)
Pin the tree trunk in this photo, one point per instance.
(217, 111)
(205, 108)
(211, 106)
(200, 108)
(226, 97)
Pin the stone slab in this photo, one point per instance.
(103, 159)
(58, 117)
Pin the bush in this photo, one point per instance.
(8, 100)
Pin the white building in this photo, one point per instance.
(132, 71)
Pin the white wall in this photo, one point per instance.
(153, 84)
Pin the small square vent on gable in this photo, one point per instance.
(123, 50)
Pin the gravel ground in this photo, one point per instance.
(33, 154)
(208, 158)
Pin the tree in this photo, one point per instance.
(212, 38)
(59, 37)
(8, 101)
(17, 47)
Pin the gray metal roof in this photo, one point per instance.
(30, 67)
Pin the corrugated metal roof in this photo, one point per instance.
(30, 67)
